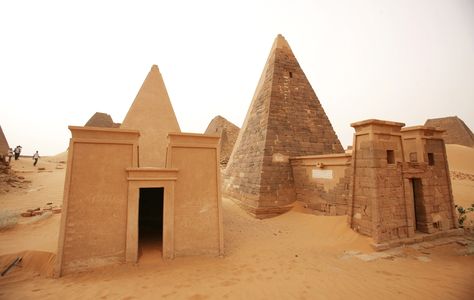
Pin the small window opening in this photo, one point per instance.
(413, 157)
(291, 75)
(390, 157)
(431, 160)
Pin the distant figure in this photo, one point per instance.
(10, 154)
(17, 152)
(35, 158)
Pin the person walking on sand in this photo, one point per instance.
(17, 152)
(10, 154)
(35, 158)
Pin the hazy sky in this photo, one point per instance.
(61, 61)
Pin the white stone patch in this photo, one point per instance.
(278, 157)
(423, 258)
(358, 216)
(322, 174)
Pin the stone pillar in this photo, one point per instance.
(427, 160)
(378, 206)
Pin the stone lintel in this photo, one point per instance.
(79, 132)
(377, 122)
(193, 139)
(337, 155)
(422, 131)
(151, 173)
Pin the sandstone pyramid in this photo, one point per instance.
(285, 119)
(456, 131)
(228, 133)
(3, 144)
(152, 114)
(101, 120)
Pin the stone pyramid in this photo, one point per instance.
(3, 144)
(285, 119)
(456, 131)
(101, 120)
(152, 114)
(228, 133)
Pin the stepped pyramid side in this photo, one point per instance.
(456, 131)
(152, 114)
(285, 119)
(101, 120)
(3, 144)
(228, 133)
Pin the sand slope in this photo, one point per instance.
(461, 166)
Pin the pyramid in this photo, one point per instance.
(285, 119)
(152, 114)
(456, 131)
(101, 120)
(228, 133)
(3, 144)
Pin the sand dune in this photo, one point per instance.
(58, 157)
(460, 158)
(297, 255)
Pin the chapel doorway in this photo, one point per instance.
(150, 223)
(420, 213)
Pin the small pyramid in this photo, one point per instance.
(3, 144)
(101, 120)
(285, 119)
(228, 133)
(456, 131)
(152, 114)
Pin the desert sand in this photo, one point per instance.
(298, 255)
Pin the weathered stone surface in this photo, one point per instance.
(394, 197)
(101, 120)
(456, 131)
(228, 133)
(285, 119)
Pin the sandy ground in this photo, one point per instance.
(294, 256)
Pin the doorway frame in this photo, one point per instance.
(150, 178)
(420, 201)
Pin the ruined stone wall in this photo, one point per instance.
(323, 182)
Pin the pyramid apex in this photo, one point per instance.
(280, 42)
(155, 67)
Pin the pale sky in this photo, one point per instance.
(62, 61)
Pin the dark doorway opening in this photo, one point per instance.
(420, 214)
(150, 222)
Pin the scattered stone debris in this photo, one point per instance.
(9, 179)
(465, 241)
(456, 175)
(49, 207)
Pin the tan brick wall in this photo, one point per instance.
(326, 194)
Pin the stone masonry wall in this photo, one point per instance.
(330, 196)
(379, 205)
